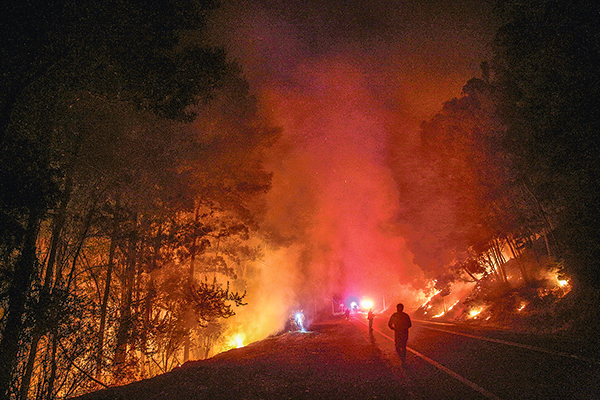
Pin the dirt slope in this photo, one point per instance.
(331, 361)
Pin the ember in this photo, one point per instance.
(563, 282)
(475, 312)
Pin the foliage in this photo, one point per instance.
(545, 68)
(511, 166)
(209, 301)
(112, 185)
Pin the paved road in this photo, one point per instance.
(448, 361)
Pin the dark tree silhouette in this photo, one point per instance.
(546, 69)
(56, 57)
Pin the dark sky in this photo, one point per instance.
(346, 80)
(425, 50)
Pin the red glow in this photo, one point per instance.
(342, 103)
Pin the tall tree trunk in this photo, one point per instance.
(17, 297)
(487, 256)
(124, 328)
(58, 224)
(26, 380)
(187, 343)
(46, 292)
(497, 254)
(86, 227)
(53, 368)
(518, 260)
(150, 294)
(544, 216)
(149, 303)
(106, 294)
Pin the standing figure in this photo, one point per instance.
(347, 314)
(370, 317)
(400, 322)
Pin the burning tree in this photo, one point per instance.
(508, 167)
(101, 159)
(543, 61)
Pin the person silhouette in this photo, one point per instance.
(400, 323)
(370, 316)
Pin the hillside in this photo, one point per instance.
(333, 361)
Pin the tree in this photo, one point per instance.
(544, 66)
(54, 54)
(462, 178)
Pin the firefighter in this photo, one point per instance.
(400, 322)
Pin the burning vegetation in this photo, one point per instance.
(530, 305)
(154, 208)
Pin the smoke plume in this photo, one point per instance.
(345, 83)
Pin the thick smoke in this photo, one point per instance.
(345, 83)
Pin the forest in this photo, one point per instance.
(515, 160)
(111, 195)
(132, 177)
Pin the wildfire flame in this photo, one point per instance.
(429, 298)
(445, 311)
(238, 341)
(563, 282)
(475, 312)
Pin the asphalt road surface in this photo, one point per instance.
(449, 361)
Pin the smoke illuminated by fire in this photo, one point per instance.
(330, 217)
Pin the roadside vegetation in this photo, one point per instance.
(508, 199)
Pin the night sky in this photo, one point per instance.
(347, 81)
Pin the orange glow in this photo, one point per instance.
(335, 190)
(522, 306)
(475, 312)
(563, 282)
(429, 299)
(237, 341)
